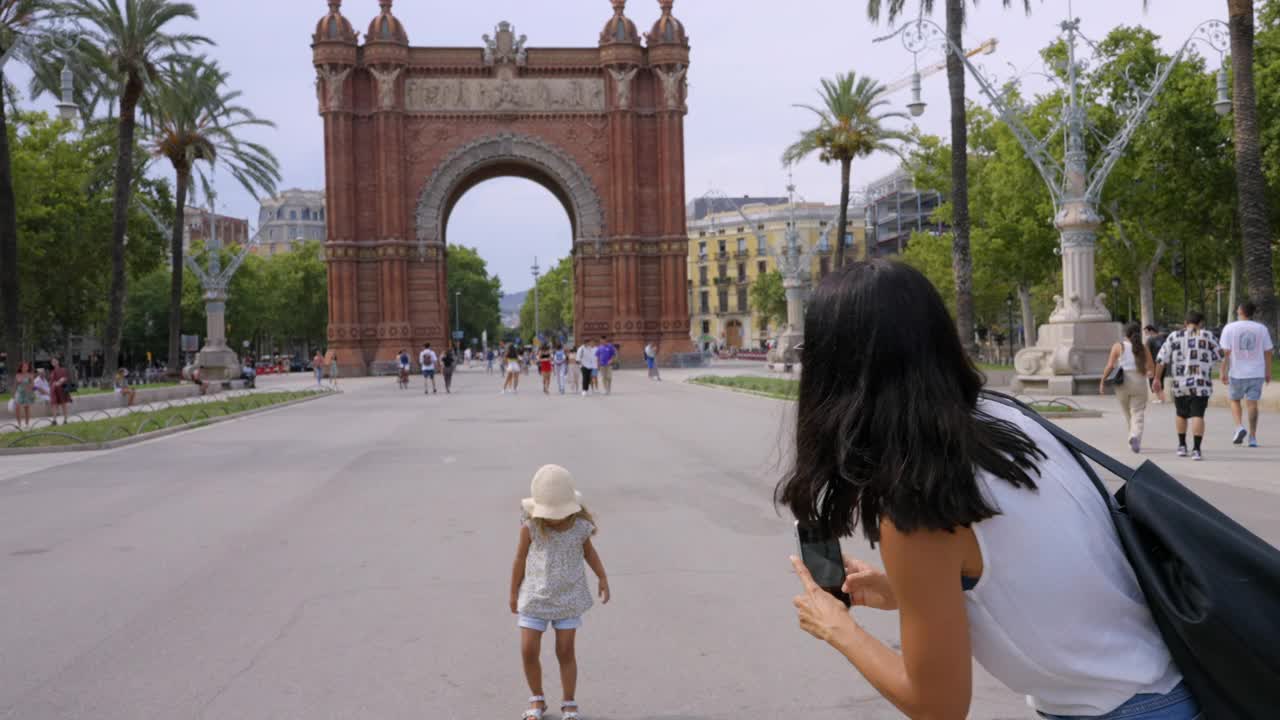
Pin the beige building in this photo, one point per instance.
(727, 252)
(290, 218)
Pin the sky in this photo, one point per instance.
(752, 60)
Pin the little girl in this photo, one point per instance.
(549, 581)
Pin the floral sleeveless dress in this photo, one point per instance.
(555, 573)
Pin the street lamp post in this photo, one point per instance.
(537, 319)
(457, 319)
(1072, 348)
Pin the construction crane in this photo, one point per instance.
(986, 48)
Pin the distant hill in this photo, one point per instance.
(512, 302)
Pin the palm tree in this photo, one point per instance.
(1250, 182)
(15, 17)
(961, 259)
(849, 126)
(195, 119)
(127, 44)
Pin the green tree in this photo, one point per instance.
(480, 296)
(555, 301)
(64, 210)
(16, 20)
(1251, 185)
(194, 119)
(769, 298)
(850, 125)
(127, 45)
(1178, 159)
(962, 261)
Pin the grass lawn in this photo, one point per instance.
(100, 431)
(4, 397)
(780, 388)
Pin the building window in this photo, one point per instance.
(723, 301)
(824, 267)
(306, 213)
(742, 245)
(702, 276)
(280, 214)
(293, 214)
(705, 305)
(702, 250)
(723, 247)
(742, 272)
(762, 267)
(741, 229)
(762, 246)
(760, 226)
(764, 326)
(321, 213)
(706, 326)
(742, 300)
(723, 271)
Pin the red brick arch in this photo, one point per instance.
(408, 130)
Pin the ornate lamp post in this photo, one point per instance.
(216, 360)
(537, 318)
(1072, 348)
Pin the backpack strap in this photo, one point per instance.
(1079, 448)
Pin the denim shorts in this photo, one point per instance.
(1177, 705)
(541, 625)
(1246, 389)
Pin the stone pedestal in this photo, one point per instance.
(216, 361)
(1068, 358)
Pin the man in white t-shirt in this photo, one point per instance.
(588, 361)
(1247, 367)
(427, 359)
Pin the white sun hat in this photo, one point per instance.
(554, 497)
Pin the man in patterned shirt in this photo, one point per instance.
(1190, 355)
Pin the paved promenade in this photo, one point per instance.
(349, 558)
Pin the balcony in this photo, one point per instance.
(722, 255)
(742, 254)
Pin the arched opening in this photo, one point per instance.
(495, 224)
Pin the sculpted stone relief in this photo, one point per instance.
(673, 86)
(334, 82)
(386, 86)
(505, 95)
(623, 79)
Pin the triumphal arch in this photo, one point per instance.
(408, 130)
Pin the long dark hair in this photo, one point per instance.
(887, 419)
(1133, 333)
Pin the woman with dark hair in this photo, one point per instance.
(1131, 356)
(996, 545)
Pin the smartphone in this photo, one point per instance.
(821, 554)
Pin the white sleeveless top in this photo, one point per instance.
(1058, 614)
(1127, 361)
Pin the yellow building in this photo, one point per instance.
(727, 252)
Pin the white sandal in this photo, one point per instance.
(534, 713)
(566, 713)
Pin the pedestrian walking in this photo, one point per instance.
(544, 368)
(448, 363)
(560, 364)
(1246, 367)
(468, 357)
(512, 381)
(317, 365)
(651, 360)
(605, 355)
(60, 388)
(402, 360)
(427, 360)
(1136, 370)
(488, 359)
(995, 544)
(1154, 340)
(24, 393)
(1190, 354)
(588, 361)
(331, 360)
(549, 582)
(44, 391)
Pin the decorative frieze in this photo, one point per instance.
(517, 95)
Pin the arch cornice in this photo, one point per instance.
(508, 148)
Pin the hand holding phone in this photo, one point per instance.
(821, 556)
